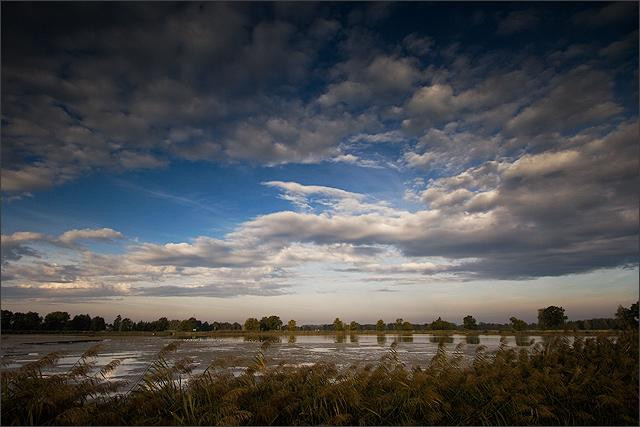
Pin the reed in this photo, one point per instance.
(590, 382)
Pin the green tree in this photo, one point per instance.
(398, 324)
(117, 323)
(292, 325)
(441, 325)
(174, 324)
(380, 325)
(126, 325)
(469, 323)
(271, 323)
(338, 325)
(251, 324)
(354, 326)
(162, 324)
(190, 324)
(407, 326)
(81, 322)
(56, 321)
(551, 317)
(98, 324)
(517, 324)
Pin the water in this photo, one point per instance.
(237, 352)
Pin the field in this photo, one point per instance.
(592, 381)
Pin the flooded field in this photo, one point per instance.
(237, 352)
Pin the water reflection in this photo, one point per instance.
(406, 338)
(382, 339)
(340, 338)
(272, 339)
(523, 340)
(473, 339)
(353, 338)
(438, 339)
(292, 339)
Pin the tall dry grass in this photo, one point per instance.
(589, 382)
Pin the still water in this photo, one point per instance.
(136, 352)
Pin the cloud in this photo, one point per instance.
(294, 187)
(204, 252)
(541, 206)
(518, 21)
(434, 103)
(525, 160)
(128, 89)
(612, 13)
(329, 198)
(620, 48)
(102, 234)
(136, 96)
(566, 211)
(390, 136)
(14, 246)
(582, 96)
(66, 292)
(418, 45)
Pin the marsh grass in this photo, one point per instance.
(589, 382)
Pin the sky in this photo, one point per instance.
(320, 160)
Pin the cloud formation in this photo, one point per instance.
(519, 158)
(221, 83)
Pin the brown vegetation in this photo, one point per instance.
(592, 382)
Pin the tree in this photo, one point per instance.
(190, 324)
(162, 324)
(354, 326)
(271, 323)
(81, 322)
(7, 317)
(551, 317)
(98, 324)
(338, 325)
(398, 324)
(174, 324)
(518, 324)
(441, 325)
(117, 323)
(251, 324)
(26, 321)
(469, 322)
(126, 325)
(380, 325)
(407, 326)
(56, 321)
(292, 325)
(627, 318)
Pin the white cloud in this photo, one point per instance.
(71, 236)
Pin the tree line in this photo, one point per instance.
(549, 318)
(62, 321)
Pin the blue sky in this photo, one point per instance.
(315, 160)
